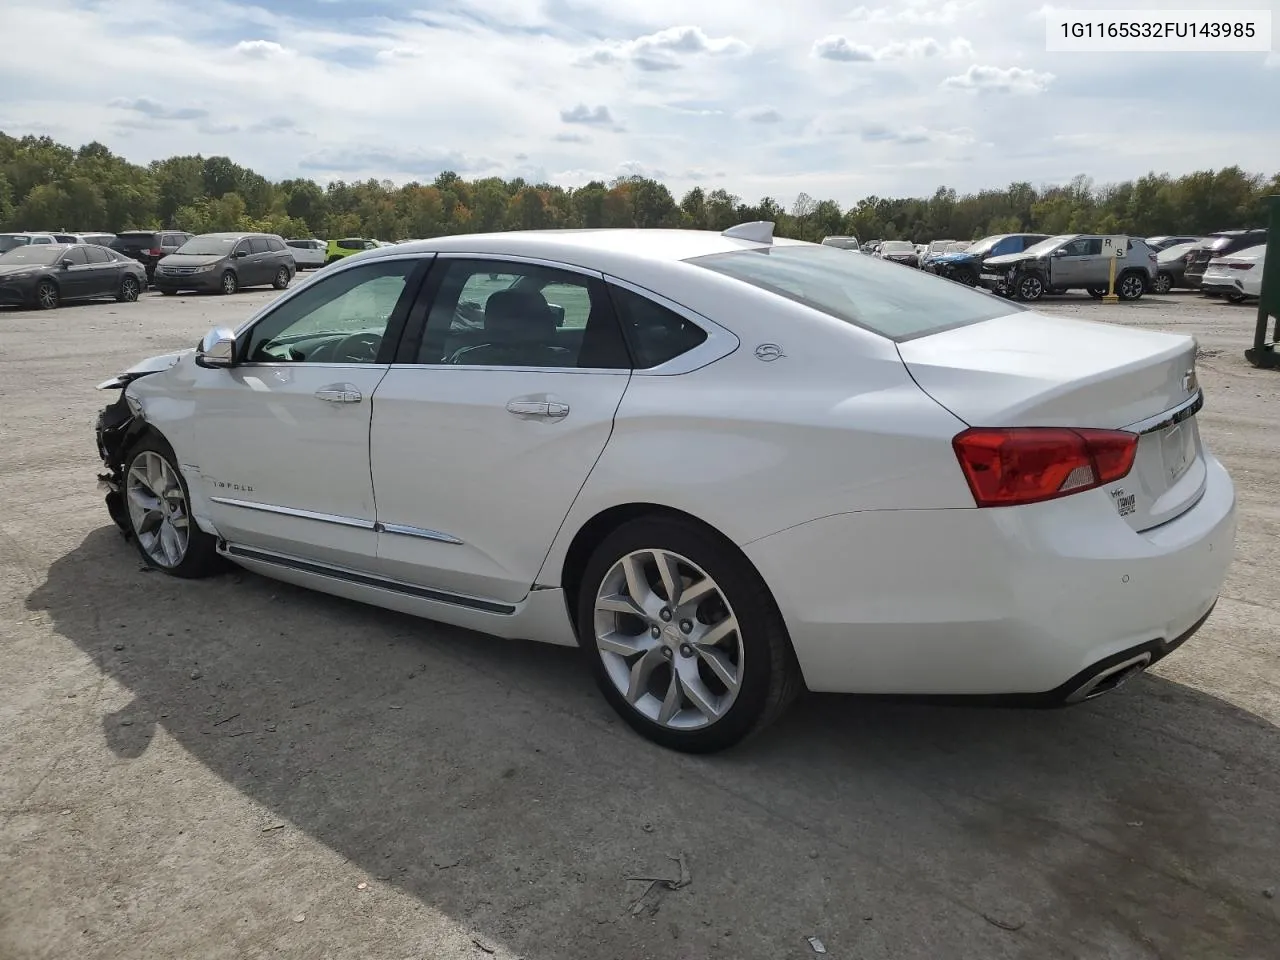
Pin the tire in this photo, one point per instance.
(1029, 287)
(967, 276)
(47, 295)
(332, 260)
(1163, 283)
(1131, 285)
(1234, 297)
(282, 278)
(169, 293)
(180, 549)
(1097, 292)
(766, 671)
(129, 290)
(230, 283)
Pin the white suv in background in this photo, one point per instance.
(307, 253)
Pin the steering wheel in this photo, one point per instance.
(357, 348)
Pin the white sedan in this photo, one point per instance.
(727, 466)
(1237, 275)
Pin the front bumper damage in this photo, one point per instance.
(115, 428)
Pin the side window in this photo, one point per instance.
(97, 254)
(1093, 247)
(36, 240)
(341, 319)
(259, 245)
(76, 255)
(502, 314)
(243, 248)
(170, 240)
(1007, 245)
(350, 245)
(655, 333)
(1076, 248)
(274, 245)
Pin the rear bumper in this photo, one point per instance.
(1017, 602)
(1216, 285)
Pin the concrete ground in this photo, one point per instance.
(237, 768)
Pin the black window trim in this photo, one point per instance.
(397, 323)
(720, 341)
(407, 356)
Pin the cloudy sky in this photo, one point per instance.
(837, 98)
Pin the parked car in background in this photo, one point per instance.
(899, 251)
(965, 266)
(46, 275)
(9, 241)
(1237, 275)
(102, 239)
(843, 242)
(1070, 262)
(226, 262)
(958, 470)
(1171, 265)
(871, 246)
(1164, 243)
(1219, 245)
(958, 246)
(346, 247)
(149, 247)
(307, 253)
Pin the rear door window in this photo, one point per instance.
(96, 254)
(655, 333)
(259, 245)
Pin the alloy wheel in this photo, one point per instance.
(1163, 284)
(158, 509)
(1031, 288)
(1131, 287)
(229, 283)
(47, 296)
(669, 640)
(129, 290)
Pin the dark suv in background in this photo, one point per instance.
(1218, 244)
(148, 246)
(226, 262)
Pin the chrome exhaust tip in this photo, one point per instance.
(1104, 681)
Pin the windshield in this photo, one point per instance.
(10, 240)
(897, 246)
(1176, 252)
(39, 255)
(866, 292)
(938, 245)
(208, 246)
(1045, 246)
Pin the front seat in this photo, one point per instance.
(519, 330)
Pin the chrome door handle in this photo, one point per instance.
(339, 393)
(546, 409)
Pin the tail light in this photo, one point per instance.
(155, 251)
(1010, 466)
(1240, 266)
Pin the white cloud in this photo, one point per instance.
(760, 115)
(261, 49)
(591, 116)
(665, 49)
(844, 50)
(920, 12)
(983, 79)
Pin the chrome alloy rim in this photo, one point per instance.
(158, 509)
(229, 283)
(1131, 287)
(1031, 288)
(669, 639)
(48, 295)
(130, 289)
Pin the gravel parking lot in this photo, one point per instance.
(238, 768)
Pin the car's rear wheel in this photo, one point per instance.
(967, 276)
(1097, 292)
(47, 295)
(160, 512)
(683, 636)
(129, 290)
(230, 283)
(1029, 287)
(1131, 286)
(282, 278)
(1234, 297)
(1163, 283)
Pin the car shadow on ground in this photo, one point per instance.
(488, 779)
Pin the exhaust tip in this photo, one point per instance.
(1109, 678)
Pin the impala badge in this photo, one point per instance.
(769, 352)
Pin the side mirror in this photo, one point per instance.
(67, 262)
(1060, 252)
(217, 349)
(239, 253)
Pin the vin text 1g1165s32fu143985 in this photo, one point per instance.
(728, 466)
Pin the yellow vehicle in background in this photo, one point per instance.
(346, 247)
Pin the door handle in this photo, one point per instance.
(546, 409)
(339, 393)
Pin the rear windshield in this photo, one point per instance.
(864, 291)
(10, 240)
(135, 241)
(897, 246)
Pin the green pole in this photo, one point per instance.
(1263, 353)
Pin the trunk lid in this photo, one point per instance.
(1027, 369)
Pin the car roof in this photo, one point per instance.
(599, 249)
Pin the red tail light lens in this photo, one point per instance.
(155, 251)
(1017, 465)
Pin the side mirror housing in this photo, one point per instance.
(217, 349)
(67, 262)
(1060, 252)
(239, 253)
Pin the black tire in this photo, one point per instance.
(129, 290)
(169, 293)
(229, 283)
(1131, 285)
(1097, 292)
(47, 295)
(1234, 297)
(331, 260)
(966, 275)
(1029, 287)
(201, 557)
(282, 278)
(770, 673)
(1163, 283)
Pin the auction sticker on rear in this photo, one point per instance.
(1126, 503)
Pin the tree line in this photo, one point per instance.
(45, 185)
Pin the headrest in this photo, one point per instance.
(519, 315)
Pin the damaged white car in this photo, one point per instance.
(727, 466)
